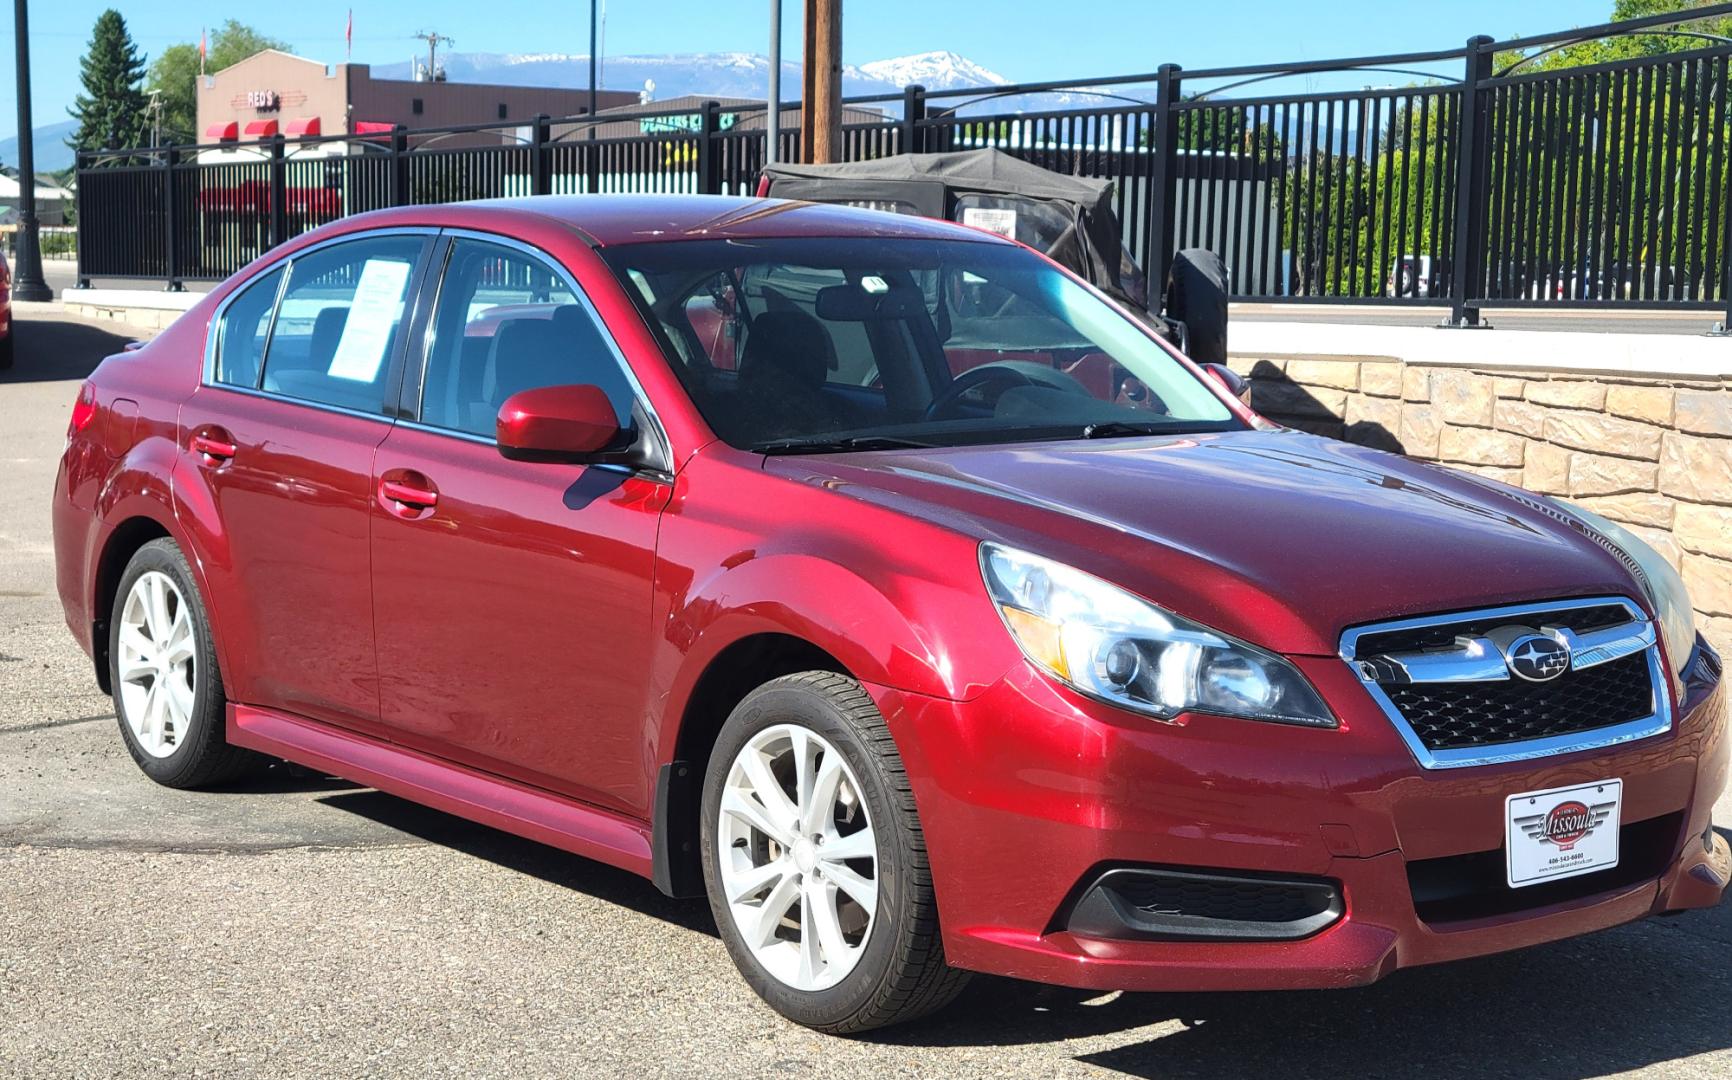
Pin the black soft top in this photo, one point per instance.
(989, 172)
(1077, 226)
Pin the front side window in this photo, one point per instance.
(340, 321)
(245, 327)
(507, 321)
(784, 342)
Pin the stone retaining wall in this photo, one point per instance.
(1654, 454)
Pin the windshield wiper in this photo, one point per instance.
(1118, 429)
(831, 446)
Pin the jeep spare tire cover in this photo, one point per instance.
(1197, 296)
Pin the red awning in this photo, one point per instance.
(263, 129)
(373, 127)
(305, 127)
(223, 132)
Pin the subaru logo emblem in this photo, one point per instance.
(1537, 658)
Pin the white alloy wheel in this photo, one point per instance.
(157, 664)
(797, 857)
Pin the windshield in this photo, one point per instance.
(839, 343)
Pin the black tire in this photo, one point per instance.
(902, 973)
(6, 349)
(1197, 296)
(203, 756)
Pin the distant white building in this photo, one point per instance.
(52, 201)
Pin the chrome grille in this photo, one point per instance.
(1464, 689)
(1447, 716)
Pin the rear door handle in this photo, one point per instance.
(408, 494)
(216, 451)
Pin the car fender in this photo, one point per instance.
(892, 642)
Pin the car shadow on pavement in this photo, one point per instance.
(282, 777)
(52, 350)
(1607, 1003)
(550, 864)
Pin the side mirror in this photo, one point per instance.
(1236, 384)
(557, 423)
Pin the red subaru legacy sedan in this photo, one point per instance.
(884, 583)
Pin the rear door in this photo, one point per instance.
(280, 439)
(512, 599)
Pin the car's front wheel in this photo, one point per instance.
(815, 863)
(168, 692)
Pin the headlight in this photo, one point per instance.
(1125, 651)
(1666, 589)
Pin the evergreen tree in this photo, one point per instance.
(112, 112)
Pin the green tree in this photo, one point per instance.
(111, 113)
(1671, 39)
(234, 41)
(174, 81)
(174, 75)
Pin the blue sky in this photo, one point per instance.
(1020, 39)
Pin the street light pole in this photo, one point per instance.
(774, 116)
(27, 280)
(592, 35)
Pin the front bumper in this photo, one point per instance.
(1029, 793)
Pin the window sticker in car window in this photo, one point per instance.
(372, 316)
(1002, 222)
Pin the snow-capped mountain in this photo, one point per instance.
(726, 74)
(933, 70)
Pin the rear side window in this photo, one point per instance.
(245, 327)
(340, 322)
(507, 321)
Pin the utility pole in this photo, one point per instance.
(821, 100)
(434, 39)
(773, 113)
(27, 280)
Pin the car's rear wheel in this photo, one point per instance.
(815, 863)
(168, 691)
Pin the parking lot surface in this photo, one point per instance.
(302, 925)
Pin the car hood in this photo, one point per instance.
(1278, 537)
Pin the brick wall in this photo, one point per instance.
(1654, 454)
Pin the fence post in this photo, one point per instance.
(1163, 176)
(709, 153)
(1726, 271)
(170, 218)
(1466, 282)
(279, 192)
(913, 116)
(592, 156)
(540, 168)
(399, 165)
(80, 163)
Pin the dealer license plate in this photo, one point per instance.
(1562, 832)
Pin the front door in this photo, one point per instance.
(280, 440)
(512, 599)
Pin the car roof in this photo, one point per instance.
(629, 219)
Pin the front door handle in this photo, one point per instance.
(407, 494)
(418, 498)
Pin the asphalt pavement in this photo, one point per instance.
(302, 925)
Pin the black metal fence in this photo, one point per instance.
(1494, 177)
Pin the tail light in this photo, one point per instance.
(83, 410)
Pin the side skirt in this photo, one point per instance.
(502, 804)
